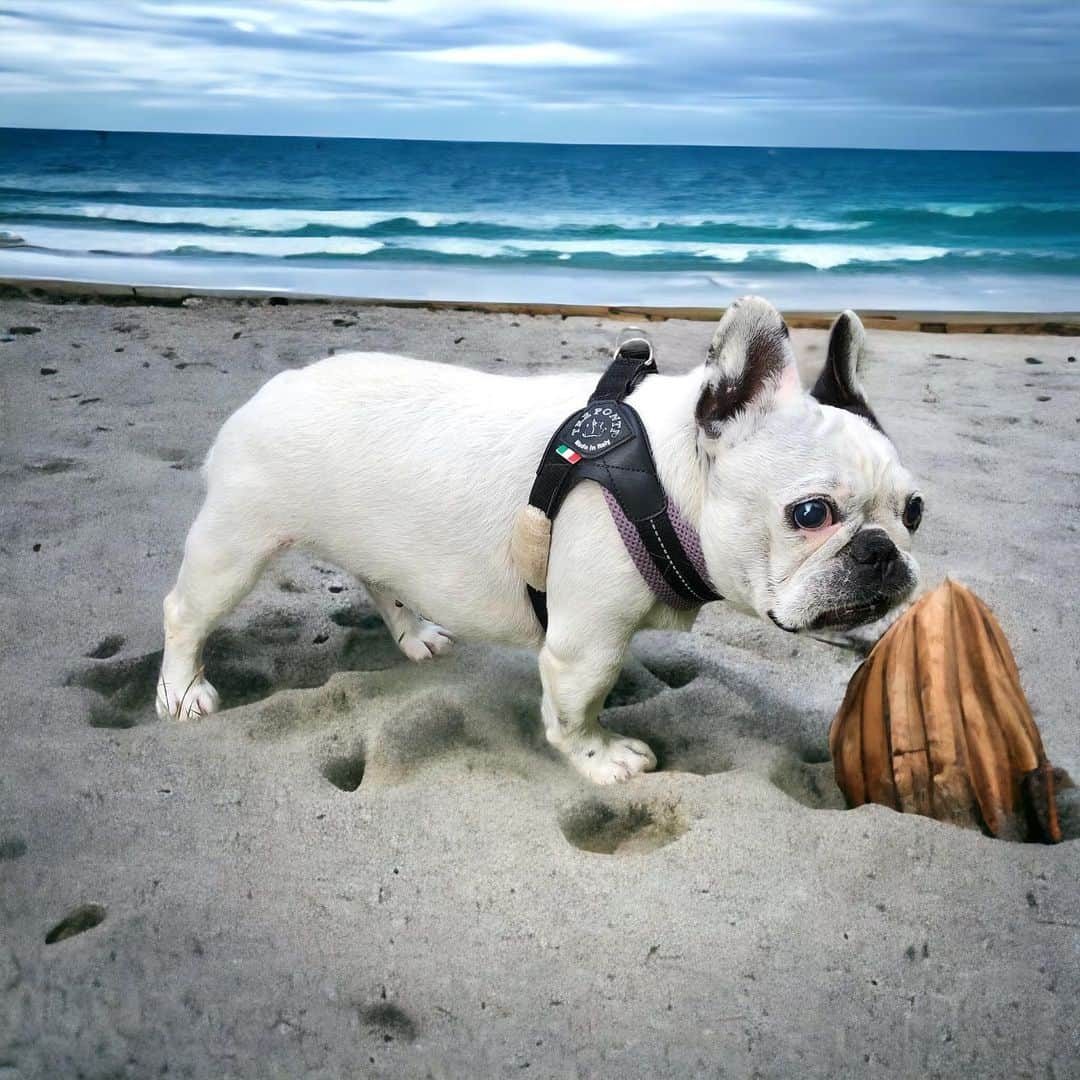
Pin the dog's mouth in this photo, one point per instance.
(852, 615)
(786, 629)
(846, 617)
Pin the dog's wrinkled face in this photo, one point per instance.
(809, 514)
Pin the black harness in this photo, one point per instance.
(607, 442)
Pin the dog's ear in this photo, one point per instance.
(749, 368)
(838, 384)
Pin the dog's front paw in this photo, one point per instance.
(607, 758)
(429, 640)
(192, 701)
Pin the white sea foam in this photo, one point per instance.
(820, 256)
(288, 220)
(511, 248)
(829, 256)
(281, 246)
(962, 210)
(261, 220)
(625, 249)
(463, 246)
(131, 242)
(146, 243)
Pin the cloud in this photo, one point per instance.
(829, 72)
(541, 54)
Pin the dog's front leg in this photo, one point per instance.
(576, 681)
(596, 600)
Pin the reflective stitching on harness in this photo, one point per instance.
(686, 584)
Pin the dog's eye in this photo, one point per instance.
(913, 512)
(812, 514)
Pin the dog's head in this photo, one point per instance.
(807, 514)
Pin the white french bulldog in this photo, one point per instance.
(409, 475)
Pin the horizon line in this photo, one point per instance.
(536, 142)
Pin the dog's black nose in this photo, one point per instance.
(872, 547)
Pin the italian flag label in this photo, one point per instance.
(571, 455)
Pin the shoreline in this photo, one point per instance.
(59, 290)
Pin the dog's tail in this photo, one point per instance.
(530, 543)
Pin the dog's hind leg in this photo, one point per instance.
(418, 638)
(222, 562)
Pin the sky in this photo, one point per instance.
(981, 74)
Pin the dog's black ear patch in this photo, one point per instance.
(726, 397)
(838, 384)
(745, 362)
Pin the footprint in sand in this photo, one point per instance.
(108, 646)
(76, 922)
(12, 848)
(388, 1022)
(811, 783)
(622, 828)
(51, 466)
(345, 772)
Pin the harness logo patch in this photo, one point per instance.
(598, 428)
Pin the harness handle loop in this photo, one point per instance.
(634, 344)
(631, 361)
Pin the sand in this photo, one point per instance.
(367, 868)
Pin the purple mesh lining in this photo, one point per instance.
(688, 537)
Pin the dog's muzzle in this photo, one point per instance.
(871, 576)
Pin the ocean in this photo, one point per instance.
(663, 225)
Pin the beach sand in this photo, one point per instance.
(366, 868)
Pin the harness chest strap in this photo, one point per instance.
(606, 442)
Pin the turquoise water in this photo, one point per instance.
(594, 224)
